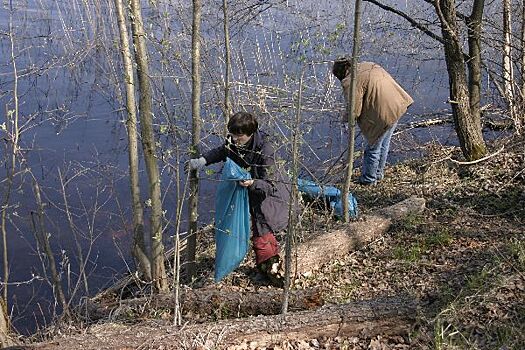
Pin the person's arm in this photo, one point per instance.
(216, 155)
(267, 172)
(359, 96)
(211, 157)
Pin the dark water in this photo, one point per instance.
(74, 139)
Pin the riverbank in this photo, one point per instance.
(462, 259)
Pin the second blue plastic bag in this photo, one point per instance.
(332, 195)
(232, 220)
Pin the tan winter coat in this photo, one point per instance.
(379, 100)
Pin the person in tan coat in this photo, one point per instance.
(379, 104)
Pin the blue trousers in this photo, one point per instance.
(374, 159)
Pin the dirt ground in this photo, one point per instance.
(463, 259)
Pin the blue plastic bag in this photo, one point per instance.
(329, 193)
(232, 220)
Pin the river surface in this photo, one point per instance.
(73, 140)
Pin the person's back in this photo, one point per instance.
(380, 101)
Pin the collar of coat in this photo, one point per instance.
(253, 147)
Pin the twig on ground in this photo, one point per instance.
(478, 160)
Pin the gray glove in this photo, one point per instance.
(197, 163)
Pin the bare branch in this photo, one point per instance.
(412, 21)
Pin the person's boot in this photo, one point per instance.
(271, 268)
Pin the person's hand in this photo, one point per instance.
(246, 183)
(196, 163)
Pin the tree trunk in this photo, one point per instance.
(474, 26)
(508, 73)
(42, 239)
(520, 120)
(467, 122)
(506, 49)
(227, 51)
(196, 130)
(5, 339)
(313, 254)
(76, 236)
(209, 304)
(290, 235)
(158, 270)
(522, 56)
(11, 153)
(350, 107)
(388, 316)
(139, 248)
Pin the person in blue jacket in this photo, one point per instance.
(268, 192)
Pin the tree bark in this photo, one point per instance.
(474, 26)
(507, 59)
(138, 251)
(196, 130)
(43, 241)
(521, 110)
(158, 270)
(11, 154)
(522, 53)
(290, 234)
(210, 304)
(467, 122)
(337, 244)
(5, 339)
(387, 316)
(508, 70)
(227, 52)
(350, 108)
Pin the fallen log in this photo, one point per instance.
(429, 122)
(387, 316)
(201, 304)
(313, 254)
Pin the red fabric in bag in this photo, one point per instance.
(265, 247)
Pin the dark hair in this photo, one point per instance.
(341, 67)
(242, 123)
